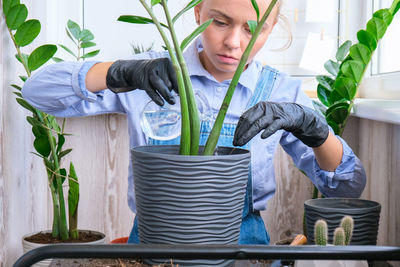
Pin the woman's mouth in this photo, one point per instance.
(227, 59)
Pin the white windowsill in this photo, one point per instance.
(377, 109)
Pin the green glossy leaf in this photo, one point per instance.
(338, 112)
(332, 67)
(335, 97)
(91, 54)
(138, 20)
(87, 44)
(74, 28)
(8, 4)
(346, 87)
(367, 39)
(191, 4)
(194, 34)
(395, 8)
(325, 81)
(19, 88)
(27, 32)
(23, 78)
(343, 50)
(53, 123)
(16, 16)
(70, 36)
(57, 59)
(18, 94)
(155, 2)
(67, 49)
(384, 15)
(42, 146)
(63, 174)
(377, 27)
(321, 109)
(323, 95)
(64, 153)
(33, 121)
(86, 36)
(26, 105)
(252, 26)
(353, 69)
(38, 130)
(73, 191)
(41, 55)
(60, 143)
(336, 128)
(24, 58)
(255, 6)
(361, 53)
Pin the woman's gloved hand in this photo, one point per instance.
(302, 121)
(155, 76)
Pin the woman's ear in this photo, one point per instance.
(197, 14)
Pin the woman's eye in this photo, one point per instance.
(219, 23)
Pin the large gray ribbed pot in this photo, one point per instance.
(190, 199)
(364, 212)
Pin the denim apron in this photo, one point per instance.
(252, 230)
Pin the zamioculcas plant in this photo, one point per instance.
(49, 135)
(337, 92)
(190, 123)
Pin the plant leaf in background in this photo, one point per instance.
(137, 20)
(41, 55)
(16, 16)
(27, 32)
(255, 6)
(343, 50)
(191, 4)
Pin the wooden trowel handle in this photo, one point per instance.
(299, 240)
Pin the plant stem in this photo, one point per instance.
(185, 119)
(216, 130)
(193, 111)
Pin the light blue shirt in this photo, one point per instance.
(59, 89)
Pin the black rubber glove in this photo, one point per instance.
(302, 121)
(155, 76)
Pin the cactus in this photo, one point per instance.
(339, 237)
(321, 233)
(347, 224)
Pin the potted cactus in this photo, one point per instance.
(341, 237)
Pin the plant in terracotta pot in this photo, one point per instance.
(182, 191)
(49, 134)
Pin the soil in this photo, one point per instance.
(46, 238)
(136, 263)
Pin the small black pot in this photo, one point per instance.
(364, 212)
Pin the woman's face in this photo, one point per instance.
(226, 38)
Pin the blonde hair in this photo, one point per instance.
(283, 21)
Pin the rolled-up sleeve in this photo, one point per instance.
(348, 180)
(59, 89)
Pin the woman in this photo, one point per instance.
(274, 102)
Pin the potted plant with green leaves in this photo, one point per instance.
(49, 135)
(172, 183)
(336, 94)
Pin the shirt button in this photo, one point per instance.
(219, 89)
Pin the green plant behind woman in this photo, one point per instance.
(49, 134)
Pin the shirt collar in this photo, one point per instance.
(248, 78)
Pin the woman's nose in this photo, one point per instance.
(233, 38)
